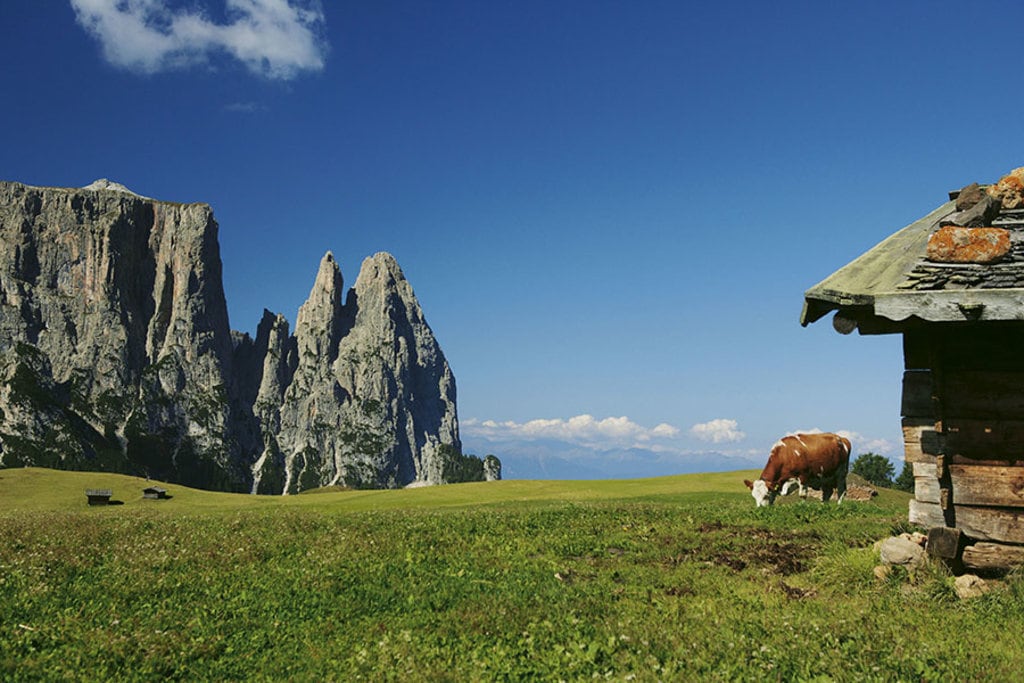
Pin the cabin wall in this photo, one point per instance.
(963, 431)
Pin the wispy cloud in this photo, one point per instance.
(582, 429)
(276, 39)
(718, 431)
(864, 444)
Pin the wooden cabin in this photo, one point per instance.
(154, 493)
(963, 382)
(98, 496)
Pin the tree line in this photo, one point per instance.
(878, 470)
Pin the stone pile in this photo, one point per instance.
(909, 550)
(969, 236)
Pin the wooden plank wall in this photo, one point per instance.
(963, 430)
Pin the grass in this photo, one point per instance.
(37, 489)
(676, 578)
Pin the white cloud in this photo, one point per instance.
(582, 429)
(718, 431)
(863, 444)
(273, 38)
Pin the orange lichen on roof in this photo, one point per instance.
(1010, 189)
(953, 244)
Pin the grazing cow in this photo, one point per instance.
(816, 460)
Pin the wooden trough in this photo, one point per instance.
(963, 380)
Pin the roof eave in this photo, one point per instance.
(874, 274)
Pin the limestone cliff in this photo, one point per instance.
(116, 354)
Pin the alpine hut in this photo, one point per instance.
(154, 493)
(98, 496)
(952, 284)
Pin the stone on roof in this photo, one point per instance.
(895, 282)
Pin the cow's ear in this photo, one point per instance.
(750, 484)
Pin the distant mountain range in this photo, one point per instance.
(555, 459)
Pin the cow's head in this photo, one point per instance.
(762, 493)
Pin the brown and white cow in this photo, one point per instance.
(816, 460)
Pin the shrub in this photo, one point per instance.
(875, 468)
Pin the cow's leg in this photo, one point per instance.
(826, 492)
(803, 490)
(840, 487)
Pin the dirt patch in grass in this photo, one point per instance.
(781, 553)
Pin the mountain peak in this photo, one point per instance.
(105, 185)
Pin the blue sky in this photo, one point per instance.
(608, 210)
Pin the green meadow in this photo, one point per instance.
(675, 578)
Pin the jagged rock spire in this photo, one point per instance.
(319, 321)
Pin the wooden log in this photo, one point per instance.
(990, 524)
(844, 322)
(944, 542)
(912, 454)
(926, 483)
(927, 515)
(993, 556)
(919, 350)
(926, 489)
(925, 469)
(940, 467)
(993, 462)
(987, 485)
(989, 345)
(868, 324)
(919, 396)
(979, 394)
(981, 524)
(991, 439)
(921, 422)
(945, 498)
(932, 441)
(922, 440)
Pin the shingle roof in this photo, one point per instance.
(895, 281)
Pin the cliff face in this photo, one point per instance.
(116, 354)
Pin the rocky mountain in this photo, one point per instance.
(116, 354)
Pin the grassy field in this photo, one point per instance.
(676, 578)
